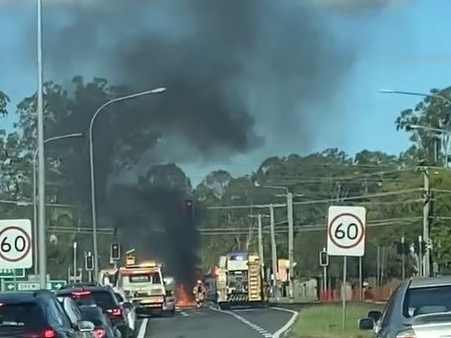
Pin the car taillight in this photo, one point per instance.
(81, 293)
(115, 312)
(99, 333)
(47, 333)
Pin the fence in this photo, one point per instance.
(367, 294)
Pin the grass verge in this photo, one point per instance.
(325, 321)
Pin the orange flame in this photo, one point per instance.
(184, 298)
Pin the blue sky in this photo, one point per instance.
(407, 49)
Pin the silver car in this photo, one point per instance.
(129, 310)
(418, 308)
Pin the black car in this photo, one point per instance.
(104, 298)
(103, 326)
(79, 285)
(36, 314)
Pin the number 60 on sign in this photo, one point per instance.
(346, 231)
(15, 244)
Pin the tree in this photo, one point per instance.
(431, 112)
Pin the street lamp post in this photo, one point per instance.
(447, 130)
(40, 147)
(91, 164)
(427, 253)
(35, 211)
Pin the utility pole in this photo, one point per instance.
(426, 211)
(273, 246)
(290, 243)
(403, 258)
(260, 241)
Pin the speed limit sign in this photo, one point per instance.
(16, 244)
(346, 231)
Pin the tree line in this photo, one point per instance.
(390, 186)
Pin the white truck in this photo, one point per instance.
(143, 284)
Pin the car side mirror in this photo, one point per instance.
(85, 326)
(127, 305)
(375, 315)
(366, 324)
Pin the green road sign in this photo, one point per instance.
(52, 285)
(9, 273)
(56, 284)
(21, 286)
(9, 286)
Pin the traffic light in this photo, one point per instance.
(89, 262)
(189, 208)
(115, 252)
(323, 258)
(422, 249)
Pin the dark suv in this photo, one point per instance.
(104, 298)
(36, 314)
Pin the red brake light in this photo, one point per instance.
(81, 293)
(48, 333)
(99, 333)
(115, 312)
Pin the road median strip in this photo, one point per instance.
(325, 321)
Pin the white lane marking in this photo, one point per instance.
(143, 328)
(253, 326)
(184, 314)
(284, 328)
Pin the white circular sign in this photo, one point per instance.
(346, 231)
(15, 244)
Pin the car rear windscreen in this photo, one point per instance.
(103, 299)
(427, 300)
(26, 315)
(92, 314)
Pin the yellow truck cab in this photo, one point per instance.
(144, 286)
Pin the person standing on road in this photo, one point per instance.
(199, 292)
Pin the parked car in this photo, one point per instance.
(79, 285)
(103, 326)
(419, 304)
(38, 314)
(104, 298)
(129, 310)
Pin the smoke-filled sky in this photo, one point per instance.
(245, 77)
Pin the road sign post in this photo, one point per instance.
(346, 231)
(16, 244)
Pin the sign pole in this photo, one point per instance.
(346, 232)
(360, 279)
(345, 268)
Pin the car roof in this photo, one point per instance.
(79, 285)
(430, 282)
(22, 296)
(84, 288)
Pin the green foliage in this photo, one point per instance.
(389, 186)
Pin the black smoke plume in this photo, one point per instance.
(158, 226)
(229, 66)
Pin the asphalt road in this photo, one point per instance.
(211, 322)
